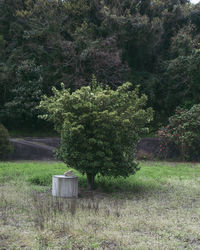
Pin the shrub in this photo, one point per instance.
(184, 130)
(99, 128)
(5, 146)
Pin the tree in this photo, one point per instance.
(26, 94)
(182, 78)
(99, 127)
(118, 41)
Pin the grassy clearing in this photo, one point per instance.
(158, 208)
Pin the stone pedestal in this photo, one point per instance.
(64, 186)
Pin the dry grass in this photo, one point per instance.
(165, 216)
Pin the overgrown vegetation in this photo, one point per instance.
(184, 130)
(158, 208)
(153, 43)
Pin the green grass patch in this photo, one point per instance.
(37, 173)
(150, 175)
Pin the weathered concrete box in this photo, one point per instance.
(64, 186)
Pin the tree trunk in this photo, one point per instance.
(90, 181)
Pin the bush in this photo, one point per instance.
(5, 146)
(99, 128)
(184, 130)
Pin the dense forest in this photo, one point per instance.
(151, 43)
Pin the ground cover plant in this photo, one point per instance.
(158, 208)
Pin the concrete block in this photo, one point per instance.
(64, 186)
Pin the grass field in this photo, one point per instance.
(158, 208)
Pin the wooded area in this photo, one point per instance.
(151, 43)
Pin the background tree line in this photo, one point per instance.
(153, 43)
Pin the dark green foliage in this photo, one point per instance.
(99, 128)
(183, 75)
(26, 93)
(184, 130)
(153, 43)
(5, 146)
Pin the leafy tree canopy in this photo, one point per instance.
(118, 41)
(99, 127)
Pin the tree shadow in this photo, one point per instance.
(119, 188)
